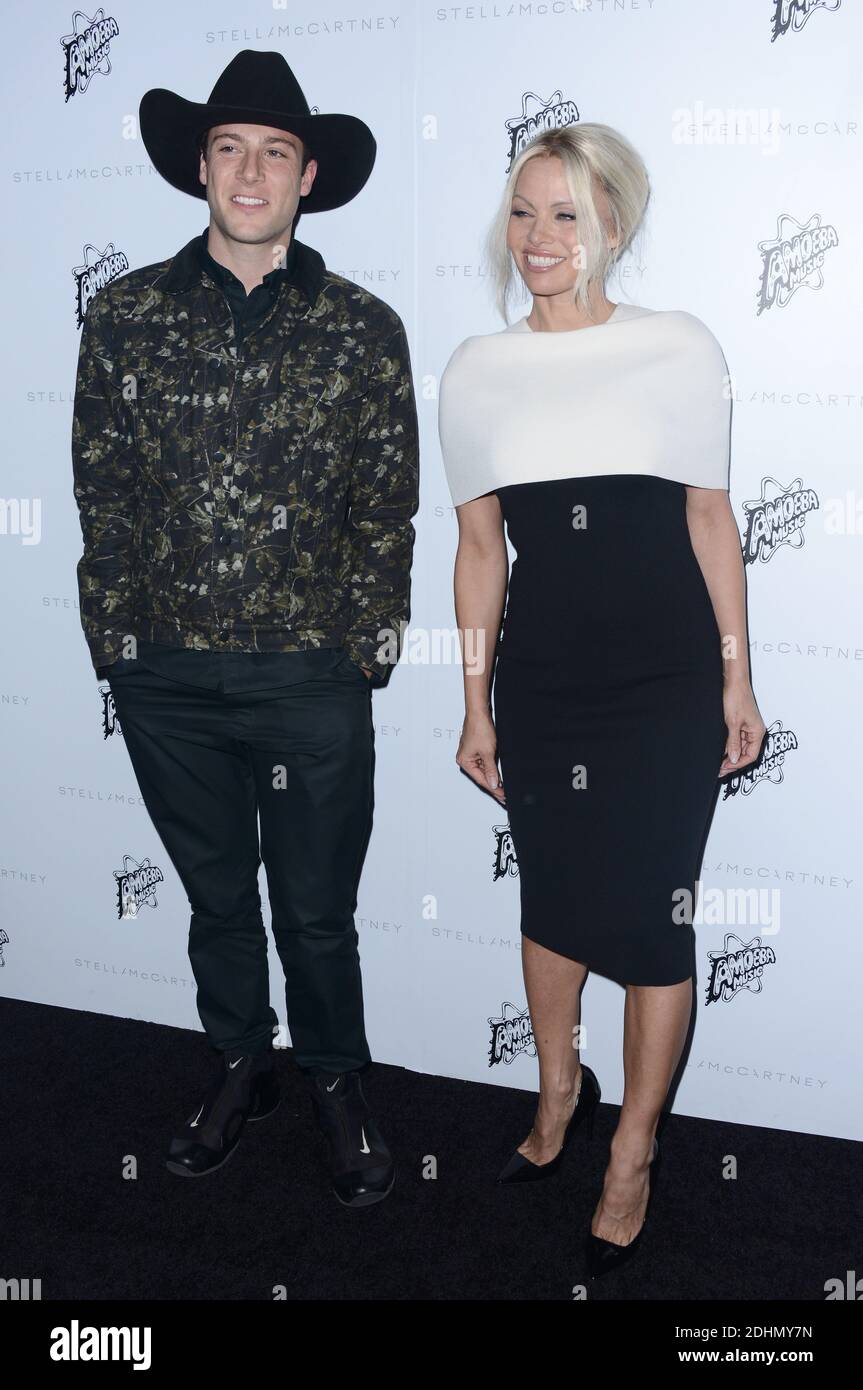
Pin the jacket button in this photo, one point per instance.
(219, 456)
(223, 636)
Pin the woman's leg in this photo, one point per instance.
(553, 984)
(656, 1019)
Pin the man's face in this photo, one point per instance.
(253, 181)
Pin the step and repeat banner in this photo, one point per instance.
(748, 116)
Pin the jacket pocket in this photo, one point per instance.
(166, 407)
(350, 667)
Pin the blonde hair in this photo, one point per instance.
(584, 150)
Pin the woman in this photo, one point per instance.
(599, 433)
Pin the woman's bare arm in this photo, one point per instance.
(716, 543)
(480, 579)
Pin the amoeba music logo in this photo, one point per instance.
(739, 965)
(98, 270)
(776, 518)
(511, 1035)
(110, 722)
(794, 257)
(136, 886)
(87, 50)
(505, 862)
(769, 767)
(793, 14)
(536, 116)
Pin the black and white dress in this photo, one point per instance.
(607, 691)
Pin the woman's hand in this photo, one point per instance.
(746, 729)
(477, 754)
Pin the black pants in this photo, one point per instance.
(301, 756)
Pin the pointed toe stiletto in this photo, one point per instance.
(521, 1169)
(604, 1255)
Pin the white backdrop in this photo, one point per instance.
(748, 116)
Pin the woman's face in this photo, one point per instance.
(542, 233)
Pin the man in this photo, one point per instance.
(245, 467)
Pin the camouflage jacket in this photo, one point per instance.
(251, 496)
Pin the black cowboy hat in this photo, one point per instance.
(257, 89)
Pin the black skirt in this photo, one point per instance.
(607, 700)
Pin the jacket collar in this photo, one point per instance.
(305, 268)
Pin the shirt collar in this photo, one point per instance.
(225, 277)
(304, 267)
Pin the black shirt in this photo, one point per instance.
(249, 310)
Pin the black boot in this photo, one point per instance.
(361, 1166)
(245, 1089)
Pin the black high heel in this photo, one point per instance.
(521, 1169)
(603, 1255)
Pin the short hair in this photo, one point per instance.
(584, 149)
(204, 143)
